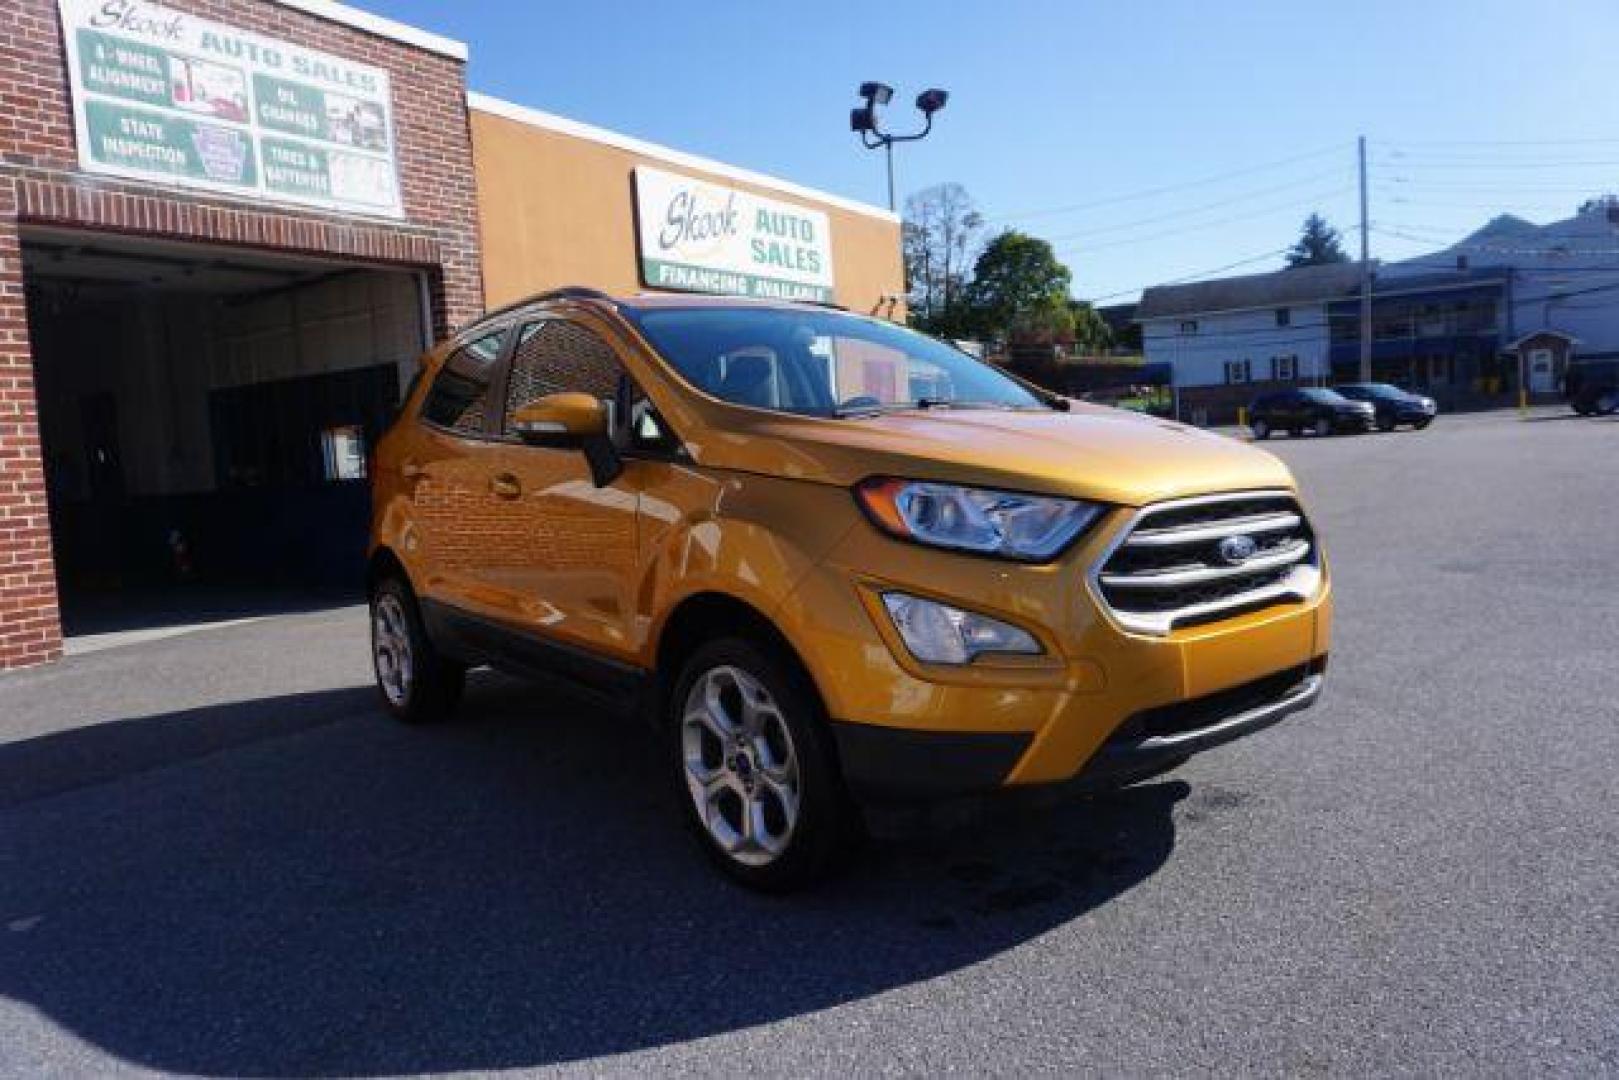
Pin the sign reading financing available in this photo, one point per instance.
(162, 95)
(701, 237)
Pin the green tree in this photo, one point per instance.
(1092, 334)
(1019, 289)
(1318, 244)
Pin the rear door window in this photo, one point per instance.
(459, 399)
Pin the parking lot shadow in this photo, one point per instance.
(297, 886)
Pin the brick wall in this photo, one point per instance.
(40, 184)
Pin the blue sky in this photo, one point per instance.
(1065, 115)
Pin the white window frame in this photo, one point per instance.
(1238, 372)
(1284, 368)
(1188, 327)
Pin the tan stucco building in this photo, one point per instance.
(562, 203)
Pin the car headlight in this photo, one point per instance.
(938, 633)
(1031, 528)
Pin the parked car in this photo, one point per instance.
(1392, 406)
(734, 518)
(1309, 408)
(1592, 387)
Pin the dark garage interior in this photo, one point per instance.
(206, 416)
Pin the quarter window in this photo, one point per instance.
(557, 356)
(459, 398)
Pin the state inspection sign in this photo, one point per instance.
(162, 95)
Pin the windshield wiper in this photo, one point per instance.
(923, 404)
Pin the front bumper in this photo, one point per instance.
(912, 729)
(892, 764)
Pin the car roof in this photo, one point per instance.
(640, 302)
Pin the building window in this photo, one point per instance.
(1189, 326)
(342, 452)
(1284, 316)
(1238, 371)
(1284, 368)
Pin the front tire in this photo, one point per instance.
(1260, 429)
(1322, 428)
(755, 767)
(417, 685)
(1606, 404)
(1385, 423)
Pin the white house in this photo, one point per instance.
(1513, 300)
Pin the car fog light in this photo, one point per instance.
(940, 634)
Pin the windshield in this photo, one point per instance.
(1325, 397)
(821, 363)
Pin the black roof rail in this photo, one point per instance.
(568, 292)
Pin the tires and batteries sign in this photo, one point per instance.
(696, 236)
(162, 95)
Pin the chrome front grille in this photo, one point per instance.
(1210, 557)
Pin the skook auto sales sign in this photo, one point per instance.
(696, 236)
(162, 95)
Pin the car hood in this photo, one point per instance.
(1093, 452)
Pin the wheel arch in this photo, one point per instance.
(384, 563)
(704, 616)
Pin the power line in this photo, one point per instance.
(1148, 193)
(1409, 164)
(1494, 142)
(1191, 210)
(1190, 277)
(1442, 185)
(1182, 230)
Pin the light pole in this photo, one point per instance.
(863, 121)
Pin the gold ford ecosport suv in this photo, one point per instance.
(832, 560)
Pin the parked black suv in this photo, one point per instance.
(1393, 406)
(1311, 408)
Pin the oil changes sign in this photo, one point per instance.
(165, 96)
(696, 236)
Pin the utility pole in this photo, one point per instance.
(888, 147)
(1365, 274)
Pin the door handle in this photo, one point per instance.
(505, 485)
(411, 470)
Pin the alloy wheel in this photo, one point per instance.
(741, 765)
(390, 647)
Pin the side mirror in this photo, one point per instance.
(572, 419)
(560, 419)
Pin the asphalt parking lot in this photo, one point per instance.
(216, 857)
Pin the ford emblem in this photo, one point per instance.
(1235, 550)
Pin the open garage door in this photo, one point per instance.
(206, 416)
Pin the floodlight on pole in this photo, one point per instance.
(863, 122)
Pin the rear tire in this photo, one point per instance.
(1260, 429)
(1419, 425)
(755, 769)
(1322, 428)
(416, 684)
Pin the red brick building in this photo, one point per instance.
(215, 215)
